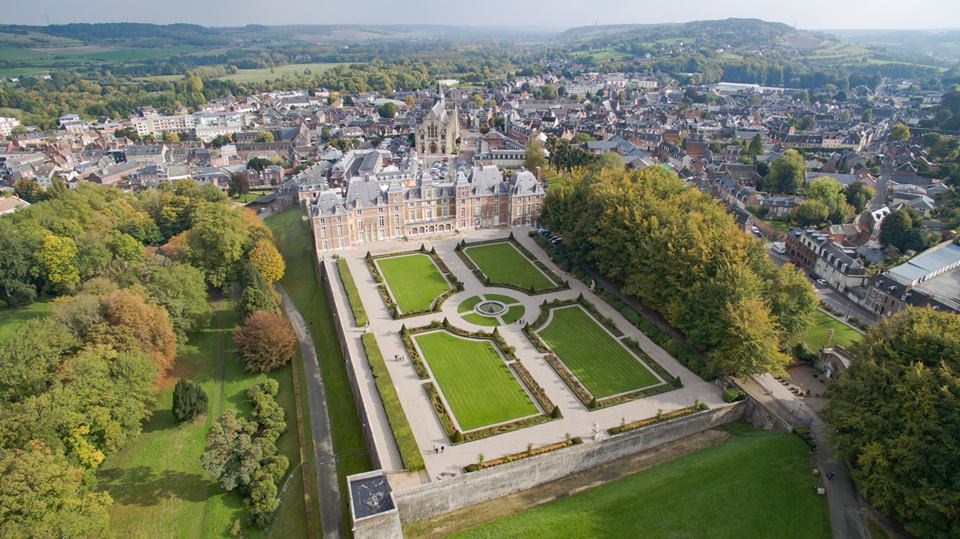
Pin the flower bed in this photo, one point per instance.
(530, 452)
(626, 427)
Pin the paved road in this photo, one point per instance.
(846, 509)
(328, 489)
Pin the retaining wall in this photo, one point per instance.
(448, 495)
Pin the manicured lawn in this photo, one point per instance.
(598, 360)
(414, 281)
(816, 336)
(480, 320)
(513, 314)
(11, 319)
(504, 264)
(468, 304)
(157, 484)
(506, 300)
(478, 385)
(754, 485)
(292, 235)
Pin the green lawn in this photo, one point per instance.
(481, 320)
(293, 236)
(756, 484)
(513, 314)
(468, 304)
(11, 319)
(414, 281)
(478, 385)
(504, 264)
(157, 484)
(816, 337)
(598, 360)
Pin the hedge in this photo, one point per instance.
(353, 295)
(625, 427)
(532, 452)
(402, 433)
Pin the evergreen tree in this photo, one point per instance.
(189, 400)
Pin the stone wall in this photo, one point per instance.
(441, 497)
(325, 276)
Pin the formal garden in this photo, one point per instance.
(412, 283)
(491, 310)
(506, 263)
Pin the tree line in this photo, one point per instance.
(680, 253)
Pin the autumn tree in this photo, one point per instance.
(132, 324)
(267, 259)
(859, 196)
(43, 495)
(899, 133)
(266, 341)
(58, 257)
(894, 418)
(831, 193)
(533, 154)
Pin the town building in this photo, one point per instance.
(438, 132)
(930, 279)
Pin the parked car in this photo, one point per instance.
(821, 282)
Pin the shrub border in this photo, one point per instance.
(532, 452)
(353, 294)
(396, 417)
(454, 285)
(550, 410)
(561, 283)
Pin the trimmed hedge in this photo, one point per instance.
(625, 427)
(353, 295)
(402, 433)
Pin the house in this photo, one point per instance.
(11, 204)
(930, 279)
(820, 256)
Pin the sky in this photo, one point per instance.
(559, 14)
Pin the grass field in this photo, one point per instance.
(271, 73)
(11, 319)
(293, 238)
(756, 484)
(816, 336)
(598, 360)
(504, 264)
(414, 281)
(157, 484)
(477, 384)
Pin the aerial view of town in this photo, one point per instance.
(515, 269)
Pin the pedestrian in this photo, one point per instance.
(442, 447)
(434, 449)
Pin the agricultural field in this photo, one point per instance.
(504, 264)
(817, 335)
(277, 72)
(474, 379)
(722, 492)
(414, 281)
(601, 363)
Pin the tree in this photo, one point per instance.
(831, 193)
(811, 212)
(179, 289)
(859, 196)
(216, 242)
(170, 136)
(533, 154)
(58, 258)
(786, 173)
(132, 324)
(239, 183)
(899, 132)
(894, 419)
(258, 164)
(232, 455)
(43, 495)
(265, 136)
(266, 341)
(900, 230)
(267, 259)
(756, 146)
(29, 190)
(608, 160)
(387, 110)
(125, 247)
(189, 400)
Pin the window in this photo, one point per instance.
(380, 221)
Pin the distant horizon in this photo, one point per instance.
(823, 15)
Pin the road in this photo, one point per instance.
(328, 489)
(846, 508)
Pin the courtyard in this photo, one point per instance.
(469, 378)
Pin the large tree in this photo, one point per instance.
(859, 196)
(786, 173)
(831, 193)
(130, 323)
(896, 419)
(216, 242)
(266, 341)
(268, 261)
(533, 154)
(901, 230)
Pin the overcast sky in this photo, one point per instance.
(809, 14)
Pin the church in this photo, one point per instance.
(439, 130)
